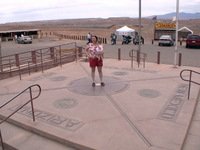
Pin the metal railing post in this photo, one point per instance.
(20, 76)
(189, 84)
(32, 108)
(190, 79)
(29, 70)
(132, 58)
(1, 62)
(17, 59)
(158, 57)
(60, 56)
(10, 67)
(41, 57)
(76, 53)
(179, 59)
(131, 55)
(34, 57)
(119, 54)
(76, 49)
(138, 58)
(1, 138)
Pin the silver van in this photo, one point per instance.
(24, 40)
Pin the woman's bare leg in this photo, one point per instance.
(100, 73)
(93, 74)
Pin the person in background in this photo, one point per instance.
(89, 36)
(94, 51)
(15, 38)
(113, 38)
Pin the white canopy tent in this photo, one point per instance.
(125, 31)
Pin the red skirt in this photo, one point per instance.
(96, 62)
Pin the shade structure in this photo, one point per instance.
(125, 31)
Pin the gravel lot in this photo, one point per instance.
(190, 57)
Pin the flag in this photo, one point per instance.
(174, 18)
(154, 18)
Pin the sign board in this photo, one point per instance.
(163, 25)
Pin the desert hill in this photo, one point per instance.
(98, 26)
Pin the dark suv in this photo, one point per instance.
(193, 41)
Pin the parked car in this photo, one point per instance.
(193, 41)
(165, 40)
(24, 39)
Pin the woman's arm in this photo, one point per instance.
(100, 49)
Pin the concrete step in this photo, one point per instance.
(16, 138)
(192, 141)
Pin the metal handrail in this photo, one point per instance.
(190, 78)
(19, 63)
(139, 56)
(29, 101)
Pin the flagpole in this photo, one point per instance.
(176, 42)
(139, 45)
(1, 67)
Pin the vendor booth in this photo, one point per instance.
(125, 31)
(183, 33)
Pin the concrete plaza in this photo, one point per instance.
(138, 109)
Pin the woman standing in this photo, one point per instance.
(94, 52)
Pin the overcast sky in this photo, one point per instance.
(32, 10)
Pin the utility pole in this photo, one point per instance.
(176, 42)
(139, 34)
(1, 67)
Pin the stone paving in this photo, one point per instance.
(139, 108)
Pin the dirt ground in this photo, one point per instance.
(97, 26)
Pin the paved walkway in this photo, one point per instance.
(139, 108)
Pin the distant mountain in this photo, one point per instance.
(182, 16)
